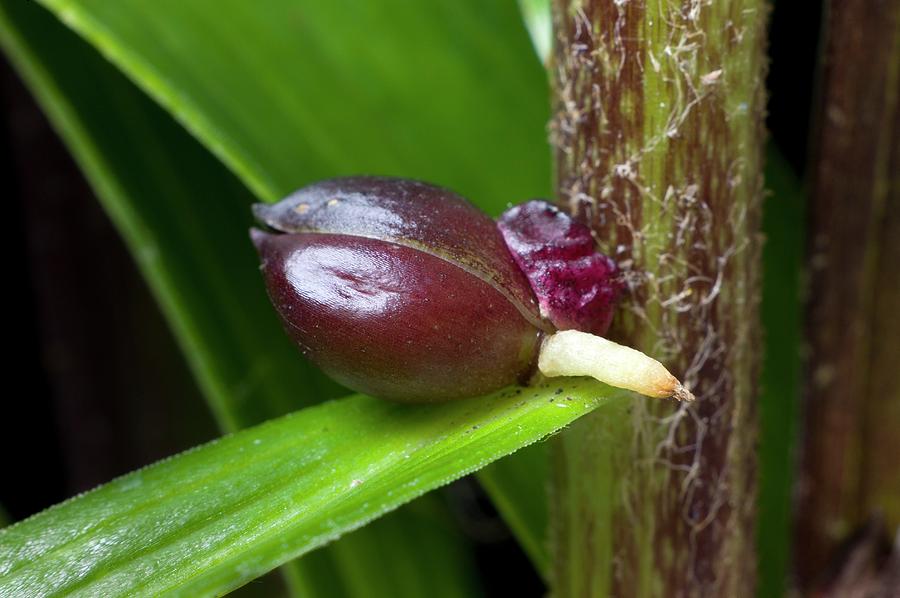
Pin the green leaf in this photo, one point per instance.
(539, 21)
(185, 219)
(414, 551)
(393, 573)
(218, 516)
(518, 488)
(286, 93)
(781, 314)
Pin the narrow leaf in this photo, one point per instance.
(286, 93)
(518, 488)
(781, 315)
(539, 21)
(218, 516)
(414, 551)
(185, 219)
(309, 93)
(446, 91)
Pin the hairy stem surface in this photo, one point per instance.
(658, 136)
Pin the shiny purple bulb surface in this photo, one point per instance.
(406, 291)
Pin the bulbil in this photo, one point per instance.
(406, 291)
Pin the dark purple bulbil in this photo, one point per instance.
(398, 289)
(406, 291)
(576, 287)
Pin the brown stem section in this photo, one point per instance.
(852, 400)
(658, 132)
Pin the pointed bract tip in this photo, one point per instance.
(258, 237)
(262, 212)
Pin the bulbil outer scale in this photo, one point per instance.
(398, 289)
(406, 291)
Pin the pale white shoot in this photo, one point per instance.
(574, 353)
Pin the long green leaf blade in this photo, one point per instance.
(185, 219)
(779, 407)
(213, 518)
(311, 93)
(414, 551)
(286, 93)
(423, 560)
(518, 487)
(539, 21)
(447, 91)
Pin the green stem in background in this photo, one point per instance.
(852, 400)
(781, 315)
(659, 138)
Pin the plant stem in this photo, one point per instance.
(659, 139)
(852, 401)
